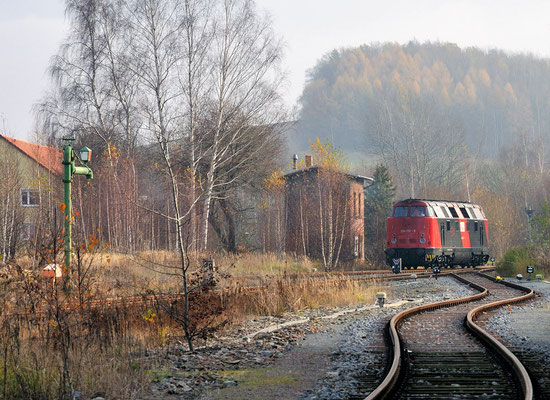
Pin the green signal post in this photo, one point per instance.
(70, 169)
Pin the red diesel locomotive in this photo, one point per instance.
(436, 233)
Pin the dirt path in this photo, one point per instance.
(290, 375)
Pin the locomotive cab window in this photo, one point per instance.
(465, 212)
(400, 211)
(418, 211)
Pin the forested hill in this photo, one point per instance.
(487, 101)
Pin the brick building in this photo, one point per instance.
(325, 214)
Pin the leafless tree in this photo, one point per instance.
(10, 209)
(245, 83)
(419, 142)
(194, 82)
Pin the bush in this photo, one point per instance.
(517, 259)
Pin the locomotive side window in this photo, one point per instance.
(453, 212)
(418, 211)
(448, 225)
(400, 211)
(465, 212)
(476, 224)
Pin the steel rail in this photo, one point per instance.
(495, 344)
(392, 376)
(223, 292)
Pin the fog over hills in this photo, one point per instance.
(486, 102)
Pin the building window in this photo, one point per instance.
(27, 231)
(354, 204)
(30, 197)
(356, 247)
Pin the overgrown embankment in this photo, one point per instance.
(88, 339)
(517, 259)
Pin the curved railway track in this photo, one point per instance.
(439, 352)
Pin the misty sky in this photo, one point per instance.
(32, 30)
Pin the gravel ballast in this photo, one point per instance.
(525, 329)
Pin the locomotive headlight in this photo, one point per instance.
(394, 240)
(422, 239)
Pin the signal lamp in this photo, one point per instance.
(85, 154)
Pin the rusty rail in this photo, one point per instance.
(138, 300)
(491, 341)
(392, 376)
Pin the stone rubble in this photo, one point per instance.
(193, 375)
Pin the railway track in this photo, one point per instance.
(252, 288)
(535, 362)
(439, 352)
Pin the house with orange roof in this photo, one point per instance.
(30, 192)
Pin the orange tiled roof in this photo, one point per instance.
(48, 157)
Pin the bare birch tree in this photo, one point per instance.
(195, 81)
(246, 80)
(10, 209)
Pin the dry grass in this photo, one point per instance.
(124, 274)
(282, 295)
(96, 371)
(107, 349)
(128, 274)
(268, 264)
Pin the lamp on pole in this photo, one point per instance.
(70, 169)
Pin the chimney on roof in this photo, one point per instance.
(309, 161)
(294, 161)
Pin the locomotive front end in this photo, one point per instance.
(410, 238)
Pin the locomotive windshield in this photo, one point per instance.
(418, 211)
(400, 211)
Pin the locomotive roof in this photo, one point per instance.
(436, 201)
